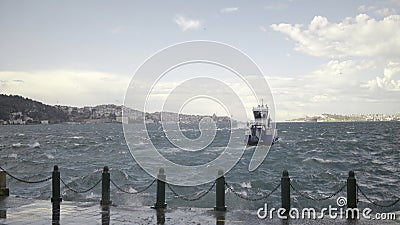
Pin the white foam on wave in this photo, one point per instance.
(49, 156)
(245, 184)
(349, 140)
(92, 196)
(35, 145)
(76, 137)
(13, 155)
(318, 160)
(132, 190)
(17, 145)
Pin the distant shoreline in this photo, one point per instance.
(278, 122)
(17, 110)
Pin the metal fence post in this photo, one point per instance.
(161, 178)
(3, 184)
(220, 192)
(352, 194)
(285, 191)
(105, 187)
(56, 197)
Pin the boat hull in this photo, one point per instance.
(263, 139)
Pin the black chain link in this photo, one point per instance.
(80, 191)
(251, 199)
(128, 192)
(375, 203)
(26, 181)
(305, 195)
(191, 199)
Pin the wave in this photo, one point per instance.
(49, 156)
(35, 145)
(319, 160)
(245, 184)
(16, 145)
(76, 137)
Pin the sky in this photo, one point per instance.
(318, 56)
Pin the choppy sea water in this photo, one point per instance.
(318, 157)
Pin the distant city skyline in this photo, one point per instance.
(318, 57)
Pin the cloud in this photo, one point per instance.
(343, 68)
(335, 87)
(361, 36)
(76, 88)
(376, 10)
(390, 81)
(186, 23)
(229, 10)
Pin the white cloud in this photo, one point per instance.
(334, 88)
(229, 10)
(377, 11)
(361, 36)
(186, 23)
(76, 88)
(343, 68)
(386, 11)
(390, 81)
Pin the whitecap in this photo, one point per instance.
(13, 155)
(76, 137)
(318, 160)
(49, 156)
(132, 190)
(92, 196)
(349, 140)
(245, 184)
(16, 145)
(242, 193)
(35, 145)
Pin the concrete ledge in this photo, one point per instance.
(14, 210)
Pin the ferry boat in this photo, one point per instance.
(261, 131)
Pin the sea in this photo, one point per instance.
(318, 157)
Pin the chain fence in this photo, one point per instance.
(136, 192)
(185, 198)
(80, 191)
(264, 195)
(238, 194)
(374, 202)
(307, 196)
(26, 181)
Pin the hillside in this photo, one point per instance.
(11, 105)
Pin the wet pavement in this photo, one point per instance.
(15, 210)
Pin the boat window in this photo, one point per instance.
(257, 114)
